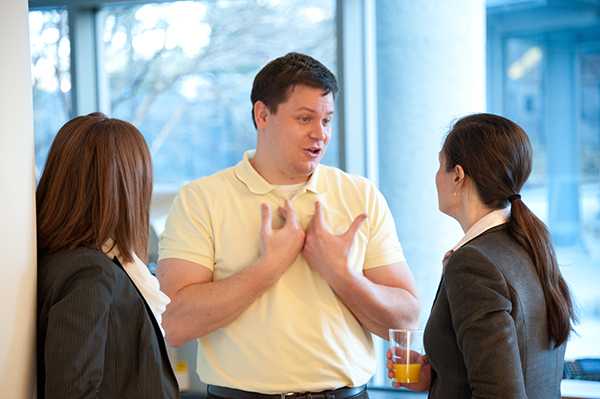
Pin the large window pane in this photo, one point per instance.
(50, 50)
(584, 261)
(566, 193)
(523, 99)
(182, 72)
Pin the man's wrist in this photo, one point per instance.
(266, 269)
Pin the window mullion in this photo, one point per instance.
(84, 60)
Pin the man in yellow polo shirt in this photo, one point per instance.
(282, 267)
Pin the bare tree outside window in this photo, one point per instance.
(182, 72)
(51, 79)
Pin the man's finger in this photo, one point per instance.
(290, 214)
(351, 232)
(265, 213)
(313, 220)
(317, 218)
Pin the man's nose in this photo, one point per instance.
(320, 132)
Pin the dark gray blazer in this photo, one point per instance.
(487, 333)
(97, 337)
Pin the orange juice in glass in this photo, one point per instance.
(407, 348)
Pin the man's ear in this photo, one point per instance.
(261, 113)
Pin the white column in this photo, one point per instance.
(17, 206)
(431, 70)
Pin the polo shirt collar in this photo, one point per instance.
(258, 185)
(315, 184)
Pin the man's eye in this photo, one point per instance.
(326, 122)
(304, 119)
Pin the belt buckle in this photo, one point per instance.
(287, 395)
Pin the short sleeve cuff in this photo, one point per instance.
(187, 256)
(384, 260)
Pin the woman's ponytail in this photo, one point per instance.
(532, 234)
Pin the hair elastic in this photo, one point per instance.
(514, 197)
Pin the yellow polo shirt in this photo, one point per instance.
(298, 336)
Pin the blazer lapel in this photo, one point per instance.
(157, 330)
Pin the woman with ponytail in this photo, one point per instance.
(503, 313)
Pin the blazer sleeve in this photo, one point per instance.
(76, 336)
(480, 308)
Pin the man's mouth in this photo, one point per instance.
(313, 152)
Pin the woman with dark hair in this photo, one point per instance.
(503, 313)
(99, 308)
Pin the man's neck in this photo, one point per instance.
(272, 174)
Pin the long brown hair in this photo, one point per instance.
(96, 185)
(496, 154)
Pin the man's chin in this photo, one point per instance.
(309, 167)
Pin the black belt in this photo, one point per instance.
(230, 393)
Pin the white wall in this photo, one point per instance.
(17, 206)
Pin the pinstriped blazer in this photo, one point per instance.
(487, 333)
(97, 337)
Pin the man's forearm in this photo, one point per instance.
(378, 307)
(201, 308)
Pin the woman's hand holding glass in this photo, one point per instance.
(403, 373)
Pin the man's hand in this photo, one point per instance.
(201, 304)
(279, 248)
(327, 253)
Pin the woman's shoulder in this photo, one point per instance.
(77, 256)
(65, 264)
(76, 273)
(497, 252)
(498, 242)
(484, 250)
